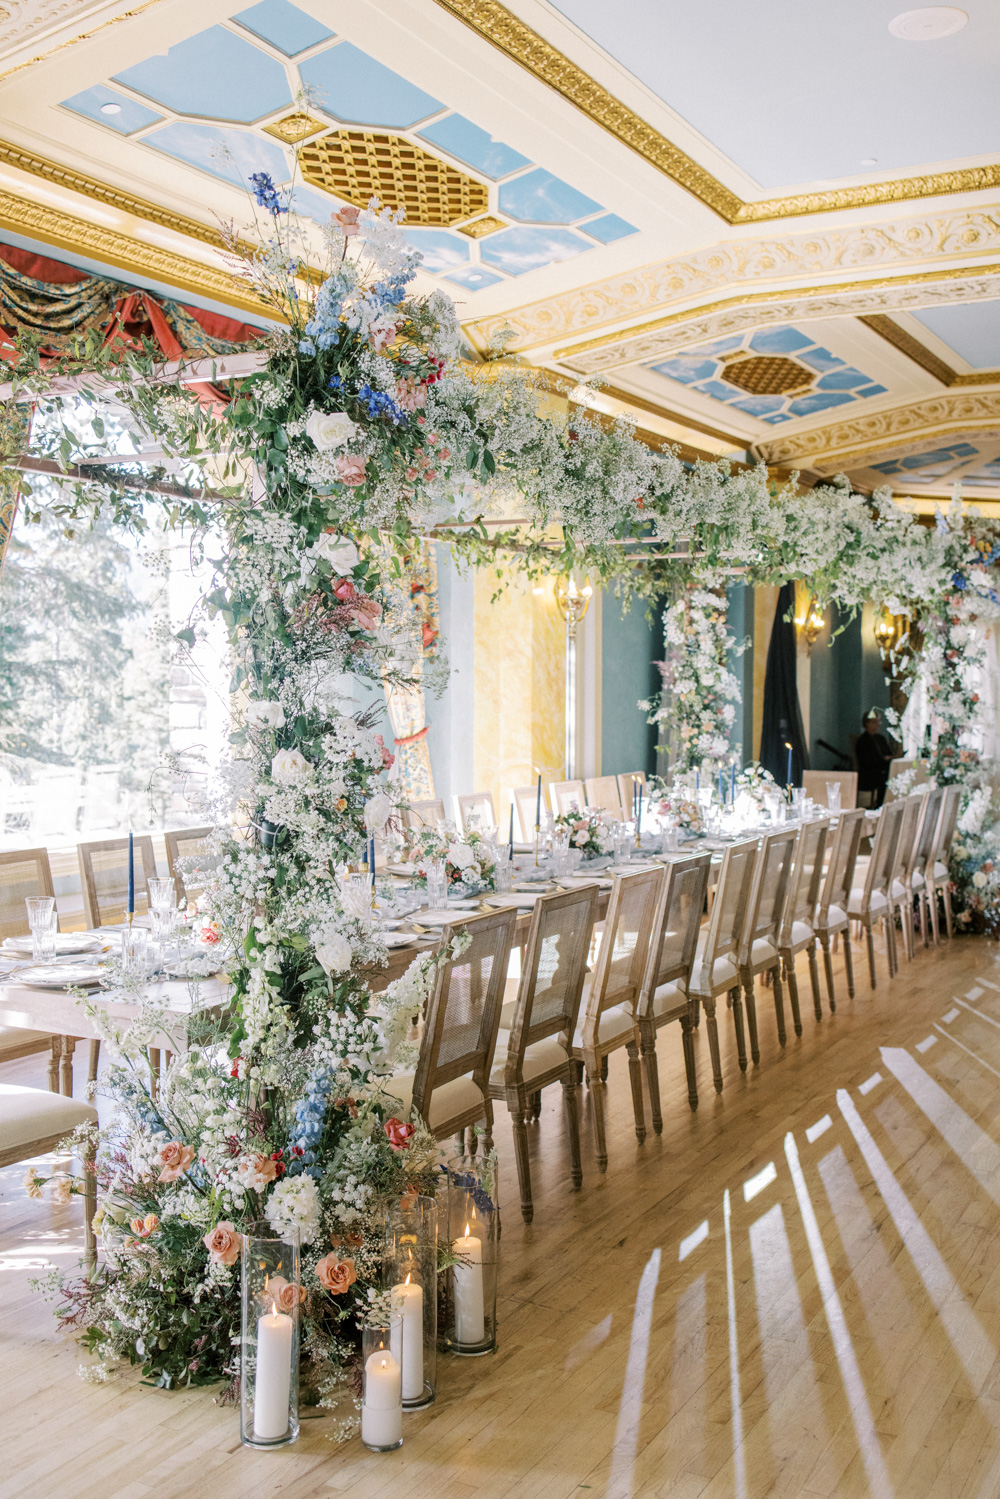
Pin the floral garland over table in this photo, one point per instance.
(362, 430)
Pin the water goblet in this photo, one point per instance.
(162, 895)
(134, 952)
(833, 796)
(437, 883)
(42, 925)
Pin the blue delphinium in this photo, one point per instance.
(377, 404)
(266, 193)
(323, 328)
(310, 1116)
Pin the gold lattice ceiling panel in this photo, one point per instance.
(358, 165)
(767, 375)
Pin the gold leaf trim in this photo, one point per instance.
(846, 442)
(83, 36)
(66, 232)
(503, 30)
(889, 329)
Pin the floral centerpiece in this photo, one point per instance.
(588, 831)
(468, 858)
(675, 805)
(755, 781)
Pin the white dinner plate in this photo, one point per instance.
(405, 870)
(571, 881)
(438, 918)
(67, 945)
(517, 898)
(401, 939)
(60, 976)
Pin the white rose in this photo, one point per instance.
(378, 810)
(265, 715)
(461, 855)
(289, 766)
(342, 555)
(979, 879)
(330, 429)
(334, 955)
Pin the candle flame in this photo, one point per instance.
(274, 1309)
(406, 1282)
(384, 1364)
(466, 1230)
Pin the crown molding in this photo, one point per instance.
(889, 329)
(55, 16)
(509, 35)
(856, 440)
(65, 231)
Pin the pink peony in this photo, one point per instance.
(174, 1159)
(411, 395)
(351, 469)
(335, 1274)
(346, 219)
(223, 1243)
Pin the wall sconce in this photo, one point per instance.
(889, 629)
(573, 601)
(812, 625)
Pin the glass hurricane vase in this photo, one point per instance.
(410, 1272)
(269, 1346)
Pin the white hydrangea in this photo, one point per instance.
(293, 1209)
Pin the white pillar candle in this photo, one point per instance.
(408, 1298)
(272, 1382)
(382, 1408)
(470, 1321)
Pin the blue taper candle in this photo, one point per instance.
(722, 789)
(538, 803)
(788, 776)
(638, 810)
(510, 839)
(130, 907)
(732, 782)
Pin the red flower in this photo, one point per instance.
(399, 1134)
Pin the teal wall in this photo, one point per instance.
(846, 680)
(630, 646)
(739, 621)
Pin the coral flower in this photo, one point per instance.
(399, 1134)
(335, 1274)
(174, 1159)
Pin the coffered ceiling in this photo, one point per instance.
(765, 228)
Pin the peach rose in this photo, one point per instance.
(143, 1227)
(354, 1241)
(223, 1243)
(346, 219)
(282, 1293)
(174, 1159)
(351, 469)
(410, 395)
(335, 1274)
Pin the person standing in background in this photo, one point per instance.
(874, 756)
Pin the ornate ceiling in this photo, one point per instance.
(649, 193)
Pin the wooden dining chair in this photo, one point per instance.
(814, 784)
(24, 873)
(104, 878)
(33, 1122)
(475, 804)
(450, 1088)
(900, 889)
(937, 878)
(602, 791)
(626, 782)
(665, 996)
(567, 796)
(716, 967)
(536, 1050)
(925, 846)
(525, 800)
(424, 814)
(759, 946)
(869, 903)
(611, 993)
(832, 920)
(797, 932)
(188, 843)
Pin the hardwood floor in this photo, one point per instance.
(795, 1291)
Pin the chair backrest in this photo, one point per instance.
(188, 843)
(732, 896)
(553, 968)
(602, 791)
(525, 799)
(567, 796)
(839, 882)
(946, 825)
(24, 872)
(104, 877)
(814, 784)
(463, 1009)
(425, 814)
(910, 831)
(927, 842)
(806, 877)
(621, 962)
(766, 905)
(626, 783)
(478, 805)
(883, 854)
(676, 926)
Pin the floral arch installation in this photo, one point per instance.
(326, 459)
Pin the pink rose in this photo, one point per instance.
(366, 612)
(351, 469)
(399, 1134)
(382, 335)
(174, 1159)
(347, 220)
(345, 591)
(282, 1293)
(411, 395)
(223, 1243)
(335, 1274)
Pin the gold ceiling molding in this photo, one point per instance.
(972, 232)
(874, 433)
(60, 13)
(67, 232)
(693, 326)
(503, 30)
(889, 329)
(358, 165)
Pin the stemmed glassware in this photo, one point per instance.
(42, 924)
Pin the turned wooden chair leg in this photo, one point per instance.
(828, 971)
(946, 892)
(89, 1209)
(870, 936)
(519, 1118)
(848, 966)
(635, 1079)
(713, 1042)
(814, 981)
(736, 1005)
(932, 902)
(66, 1066)
(751, 1009)
(651, 1068)
(54, 1058)
(687, 1040)
(793, 995)
(460, 1142)
(94, 1064)
(154, 1071)
(487, 1132)
(569, 1088)
(535, 1105)
(598, 1095)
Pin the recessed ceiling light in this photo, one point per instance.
(929, 24)
(869, 161)
(111, 109)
